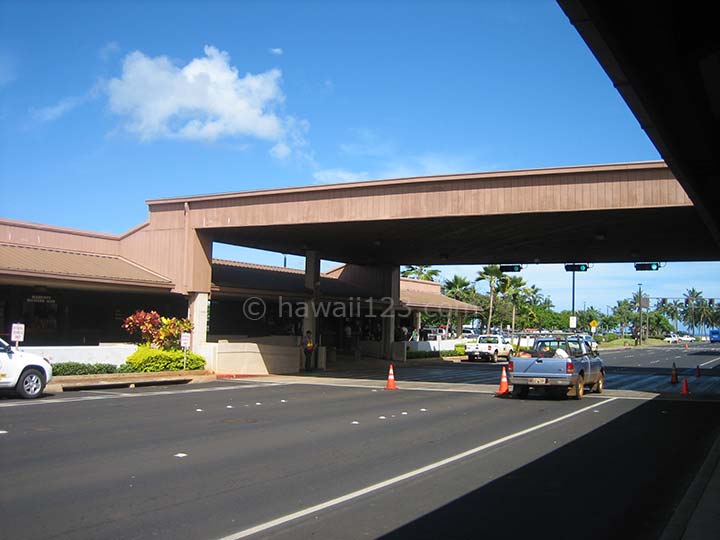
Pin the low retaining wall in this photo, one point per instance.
(115, 354)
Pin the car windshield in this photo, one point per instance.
(488, 339)
(3, 343)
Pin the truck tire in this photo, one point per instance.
(520, 391)
(579, 388)
(31, 384)
(599, 386)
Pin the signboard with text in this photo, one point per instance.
(185, 340)
(573, 322)
(17, 333)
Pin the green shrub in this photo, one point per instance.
(149, 359)
(460, 349)
(422, 354)
(76, 368)
(610, 336)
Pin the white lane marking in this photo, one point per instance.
(654, 362)
(423, 410)
(355, 422)
(3, 432)
(52, 401)
(382, 417)
(391, 481)
(180, 455)
(710, 361)
(228, 406)
(198, 410)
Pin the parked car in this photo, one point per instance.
(470, 333)
(25, 373)
(489, 347)
(672, 338)
(687, 338)
(564, 364)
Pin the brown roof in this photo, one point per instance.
(56, 263)
(241, 275)
(420, 299)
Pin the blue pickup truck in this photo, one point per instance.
(563, 364)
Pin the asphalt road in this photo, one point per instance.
(644, 369)
(234, 459)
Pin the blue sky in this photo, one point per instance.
(104, 105)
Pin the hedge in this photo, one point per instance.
(147, 359)
(434, 354)
(76, 368)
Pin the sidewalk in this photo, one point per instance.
(697, 517)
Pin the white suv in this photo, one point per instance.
(25, 372)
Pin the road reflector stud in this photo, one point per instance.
(504, 388)
(391, 380)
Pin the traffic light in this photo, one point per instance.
(576, 267)
(647, 266)
(510, 267)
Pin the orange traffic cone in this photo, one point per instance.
(697, 372)
(685, 390)
(391, 380)
(504, 389)
(686, 347)
(673, 375)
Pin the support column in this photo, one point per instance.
(198, 315)
(392, 288)
(312, 286)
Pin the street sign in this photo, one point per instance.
(647, 266)
(17, 333)
(576, 267)
(593, 324)
(573, 322)
(185, 340)
(510, 267)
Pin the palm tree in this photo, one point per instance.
(624, 312)
(692, 298)
(458, 288)
(423, 272)
(493, 276)
(704, 314)
(511, 287)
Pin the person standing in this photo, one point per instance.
(308, 345)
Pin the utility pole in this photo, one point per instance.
(640, 309)
(573, 293)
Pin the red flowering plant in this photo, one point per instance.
(159, 332)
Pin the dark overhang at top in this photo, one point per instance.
(664, 59)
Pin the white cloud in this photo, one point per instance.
(108, 50)
(53, 112)
(7, 69)
(332, 176)
(280, 150)
(203, 100)
(276, 51)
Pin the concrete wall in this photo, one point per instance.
(258, 356)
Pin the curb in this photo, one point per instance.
(64, 383)
(685, 511)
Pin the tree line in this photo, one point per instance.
(512, 302)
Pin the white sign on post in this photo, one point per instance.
(17, 333)
(573, 322)
(185, 344)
